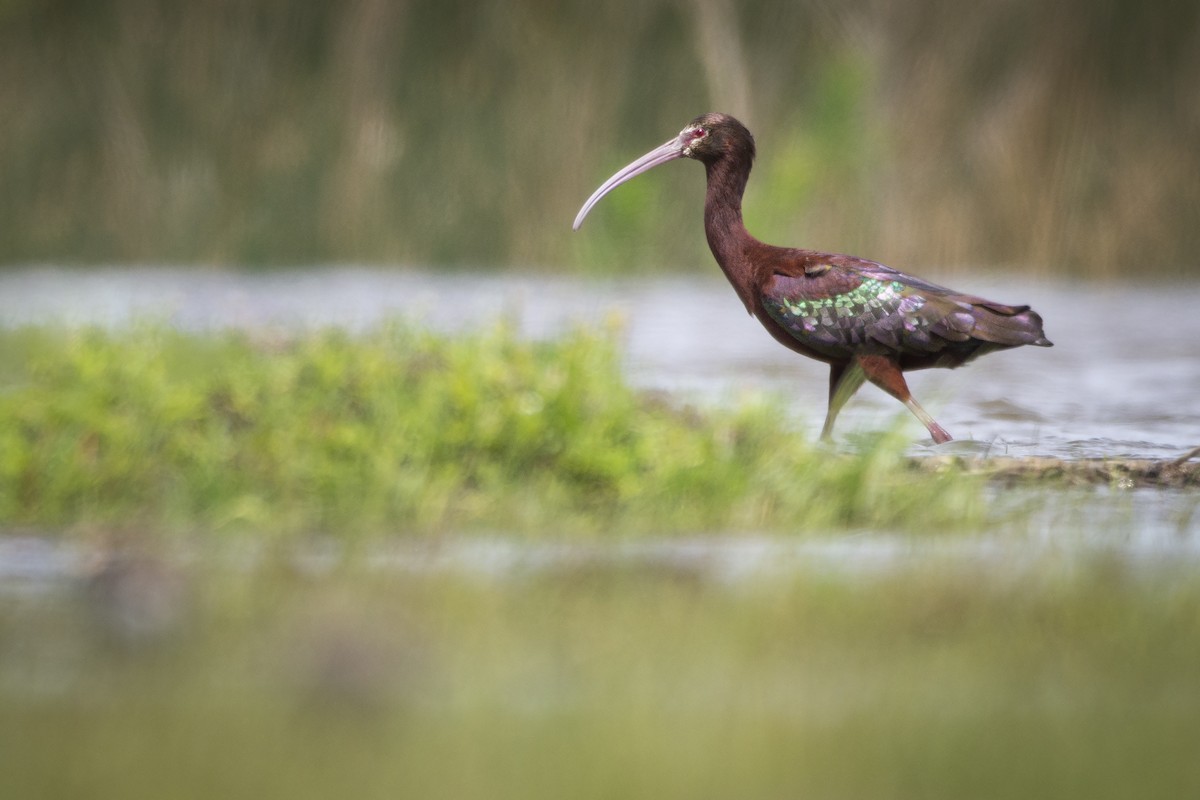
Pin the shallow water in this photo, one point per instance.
(1121, 381)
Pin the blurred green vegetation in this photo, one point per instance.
(402, 431)
(1065, 677)
(1057, 137)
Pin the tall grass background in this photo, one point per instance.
(1055, 138)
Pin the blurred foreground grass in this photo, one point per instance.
(404, 431)
(940, 678)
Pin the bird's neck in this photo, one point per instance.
(728, 238)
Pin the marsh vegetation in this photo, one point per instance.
(404, 432)
(921, 134)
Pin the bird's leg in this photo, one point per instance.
(885, 373)
(844, 380)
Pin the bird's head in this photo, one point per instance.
(708, 138)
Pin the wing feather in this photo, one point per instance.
(840, 306)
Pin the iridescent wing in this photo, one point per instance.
(849, 306)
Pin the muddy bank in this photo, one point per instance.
(1126, 472)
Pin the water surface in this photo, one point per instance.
(1121, 381)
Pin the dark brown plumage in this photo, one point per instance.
(867, 321)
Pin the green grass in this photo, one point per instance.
(401, 431)
(949, 679)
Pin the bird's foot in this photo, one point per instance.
(939, 433)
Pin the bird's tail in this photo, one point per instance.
(1008, 326)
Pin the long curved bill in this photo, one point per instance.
(668, 151)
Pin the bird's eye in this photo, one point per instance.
(698, 133)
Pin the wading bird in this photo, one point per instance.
(867, 321)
